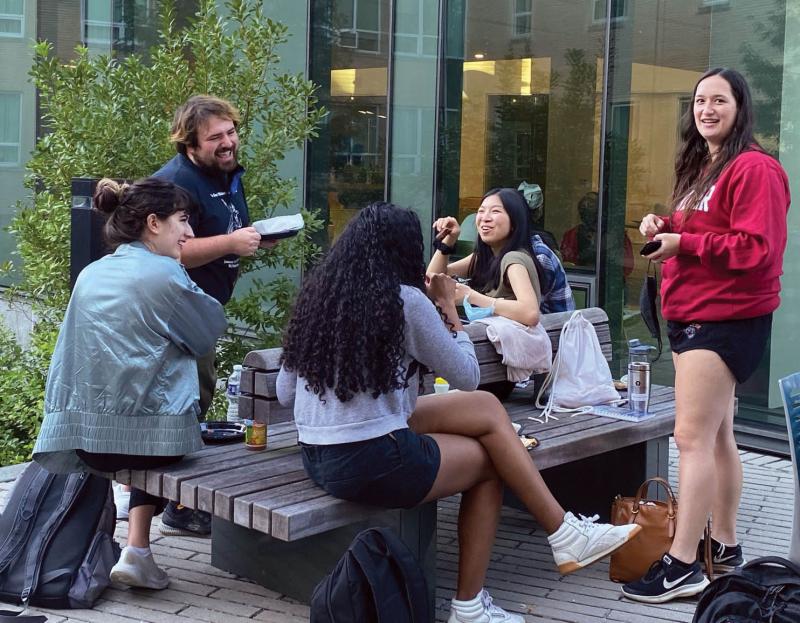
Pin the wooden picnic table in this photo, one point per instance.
(272, 524)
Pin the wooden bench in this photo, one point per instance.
(273, 525)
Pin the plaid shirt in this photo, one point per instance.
(556, 293)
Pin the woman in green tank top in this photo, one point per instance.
(504, 278)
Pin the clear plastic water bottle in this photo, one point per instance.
(232, 393)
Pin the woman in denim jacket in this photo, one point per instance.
(122, 390)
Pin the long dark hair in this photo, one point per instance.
(127, 206)
(484, 269)
(355, 293)
(695, 171)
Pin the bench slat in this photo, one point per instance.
(172, 479)
(208, 486)
(251, 463)
(295, 521)
(225, 499)
(263, 505)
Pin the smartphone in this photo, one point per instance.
(650, 247)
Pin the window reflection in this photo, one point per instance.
(529, 79)
(349, 60)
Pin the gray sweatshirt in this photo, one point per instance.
(427, 340)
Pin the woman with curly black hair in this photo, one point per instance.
(365, 434)
(504, 276)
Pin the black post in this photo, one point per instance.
(86, 236)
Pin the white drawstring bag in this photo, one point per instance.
(580, 377)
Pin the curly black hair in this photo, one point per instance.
(355, 293)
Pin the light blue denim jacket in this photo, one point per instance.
(123, 377)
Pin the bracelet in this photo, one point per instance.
(442, 247)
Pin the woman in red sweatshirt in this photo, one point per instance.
(722, 253)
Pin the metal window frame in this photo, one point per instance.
(20, 17)
(514, 15)
(18, 144)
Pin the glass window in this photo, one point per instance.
(524, 110)
(123, 26)
(12, 17)
(522, 17)
(346, 164)
(619, 9)
(357, 24)
(10, 111)
(649, 91)
(415, 22)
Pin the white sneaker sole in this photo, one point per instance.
(128, 578)
(572, 566)
(170, 531)
(682, 591)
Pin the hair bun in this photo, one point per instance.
(108, 195)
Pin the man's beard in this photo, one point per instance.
(213, 170)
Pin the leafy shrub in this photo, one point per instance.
(110, 116)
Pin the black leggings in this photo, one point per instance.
(118, 462)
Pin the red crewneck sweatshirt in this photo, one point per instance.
(731, 251)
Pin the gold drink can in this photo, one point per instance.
(257, 437)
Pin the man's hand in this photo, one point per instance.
(244, 241)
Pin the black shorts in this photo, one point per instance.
(117, 462)
(396, 470)
(739, 343)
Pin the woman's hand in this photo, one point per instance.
(461, 290)
(651, 225)
(447, 229)
(441, 288)
(670, 247)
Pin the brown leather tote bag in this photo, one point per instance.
(657, 518)
(631, 561)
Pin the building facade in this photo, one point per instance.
(431, 103)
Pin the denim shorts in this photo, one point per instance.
(739, 343)
(396, 470)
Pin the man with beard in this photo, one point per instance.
(204, 133)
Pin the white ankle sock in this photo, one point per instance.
(142, 551)
(467, 603)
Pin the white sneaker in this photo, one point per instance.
(480, 609)
(122, 500)
(133, 569)
(580, 542)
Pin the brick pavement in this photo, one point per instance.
(521, 576)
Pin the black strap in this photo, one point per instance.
(38, 543)
(9, 616)
(648, 307)
(443, 247)
(774, 560)
(34, 492)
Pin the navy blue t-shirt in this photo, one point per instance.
(222, 211)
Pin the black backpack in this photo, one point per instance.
(57, 539)
(765, 589)
(377, 580)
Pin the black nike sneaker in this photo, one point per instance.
(725, 558)
(666, 579)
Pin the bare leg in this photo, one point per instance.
(729, 482)
(139, 519)
(703, 389)
(466, 467)
(480, 416)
